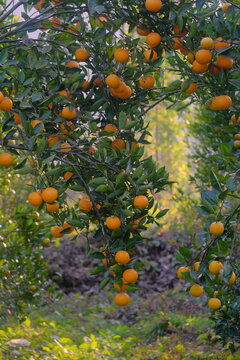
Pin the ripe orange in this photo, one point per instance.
(215, 266)
(178, 42)
(69, 227)
(35, 123)
(67, 114)
(181, 270)
(203, 56)
(221, 102)
(147, 81)
(6, 104)
(1, 96)
(64, 147)
(153, 5)
(237, 136)
(91, 150)
(17, 118)
(68, 175)
(112, 81)
(214, 303)
(85, 204)
(123, 287)
(56, 231)
(111, 127)
(214, 69)
(53, 207)
(81, 54)
(177, 31)
(232, 278)
(199, 68)
(225, 7)
(196, 265)
(191, 89)
(69, 124)
(85, 85)
(113, 222)
(122, 299)
(216, 228)
(220, 43)
(190, 57)
(136, 222)
(66, 94)
(141, 201)
(53, 139)
(121, 55)
(97, 82)
(130, 275)
(122, 257)
(224, 62)
(6, 159)
(35, 199)
(150, 55)
(207, 43)
(125, 94)
(236, 144)
(142, 29)
(72, 64)
(153, 39)
(49, 195)
(196, 290)
(118, 144)
(233, 119)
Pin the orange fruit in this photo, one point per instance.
(111, 269)
(214, 303)
(196, 265)
(35, 199)
(150, 55)
(122, 299)
(141, 201)
(32, 164)
(153, 39)
(121, 55)
(236, 144)
(111, 127)
(91, 150)
(35, 123)
(69, 227)
(53, 139)
(65, 147)
(67, 114)
(123, 287)
(196, 290)
(203, 56)
(232, 278)
(224, 62)
(65, 93)
(6, 104)
(178, 42)
(177, 31)
(56, 21)
(38, 5)
(56, 231)
(221, 102)
(220, 43)
(72, 64)
(68, 175)
(112, 81)
(190, 57)
(53, 207)
(136, 222)
(207, 43)
(216, 228)
(49, 195)
(147, 81)
(6, 159)
(81, 54)
(153, 5)
(85, 204)
(113, 222)
(215, 266)
(68, 124)
(97, 82)
(191, 89)
(17, 118)
(122, 257)
(237, 136)
(142, 30)
(225, 7)
(120, 89)
(85, 85)
(214, 69)
(118, 144)
(233, 119)
(181, 270)
(199, 68)
(130, 275)
(125, 94)
(1, 96)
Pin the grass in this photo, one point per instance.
(81, 328)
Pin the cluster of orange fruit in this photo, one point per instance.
(216, 229)
(236, 143)
(48, 195)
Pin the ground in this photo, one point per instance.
(162, 326)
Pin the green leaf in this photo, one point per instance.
(98, 270)
(103, 283)
(185, 252)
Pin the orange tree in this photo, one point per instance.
(81, 95)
